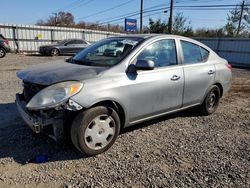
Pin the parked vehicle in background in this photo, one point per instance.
(96, 94)
(4, 46)
(114, 49)
(64, 47)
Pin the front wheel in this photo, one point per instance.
(2, 53)
(211, 102)
(95, 130)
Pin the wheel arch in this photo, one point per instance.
(114, 105)
(208, 89)
(54, 48)
(220, 87)
(1, 47)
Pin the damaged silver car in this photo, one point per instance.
(95, 94)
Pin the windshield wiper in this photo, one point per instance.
(81, 62)
(88, 63)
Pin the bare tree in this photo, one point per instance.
(65, 19)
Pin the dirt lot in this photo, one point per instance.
(182, 150)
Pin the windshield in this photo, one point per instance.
(108, 52)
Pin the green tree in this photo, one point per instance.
(233, 19)
(180, 26)
(203, 32)
(157, 26)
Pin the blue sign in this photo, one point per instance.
(130, 25)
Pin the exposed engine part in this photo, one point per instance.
(73, 106)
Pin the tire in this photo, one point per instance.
(91, 134)
(54, 52)
(211, 101)
(2, 52)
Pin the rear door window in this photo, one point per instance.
(193, 53)
(204, 54)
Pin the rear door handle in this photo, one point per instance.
(211, 72)
(175, 77)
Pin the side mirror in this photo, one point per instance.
(144, 65)
(66, 44)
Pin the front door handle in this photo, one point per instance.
(175, 77)
(211, 72)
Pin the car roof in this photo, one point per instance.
(69, 39)
(151, 35)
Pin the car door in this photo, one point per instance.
(70, 46)
(199, 72)
(159, 90)
(79, 45)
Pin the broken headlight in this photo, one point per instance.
(54, 95)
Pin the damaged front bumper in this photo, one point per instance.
(52, 126)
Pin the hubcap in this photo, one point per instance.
(54, 52)
(100, 132)
(211, 100)
(1, 53)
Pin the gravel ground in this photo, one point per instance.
(181, 150)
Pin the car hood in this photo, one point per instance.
(59, 71)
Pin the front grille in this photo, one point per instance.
(30, 89)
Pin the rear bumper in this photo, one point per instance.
(39, 124)
(226, 87)
(6, 48)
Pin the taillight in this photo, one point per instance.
(229, 66)
(6, 42)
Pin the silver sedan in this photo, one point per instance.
(95, 94)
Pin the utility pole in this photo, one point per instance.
(170, 17)
(141, 17)
(241, 13)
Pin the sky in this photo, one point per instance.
(100, 11)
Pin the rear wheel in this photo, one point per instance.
(211, 102)
(95, 130)
(54, 52)
(2, 53)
